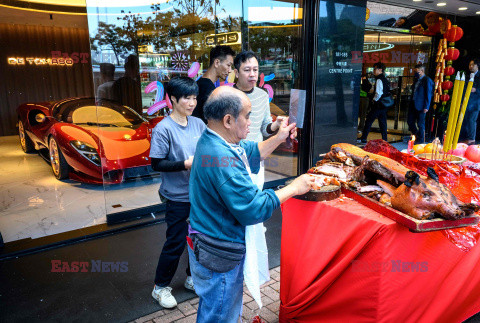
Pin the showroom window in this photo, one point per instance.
(83, 87)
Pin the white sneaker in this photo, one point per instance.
(164, 296)
(189, 284)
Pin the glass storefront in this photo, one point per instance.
(401, 52)
(340, 37)
(83, 86)
(86, 87)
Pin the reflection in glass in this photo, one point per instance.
(340, 39)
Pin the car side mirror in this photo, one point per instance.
(40, 118)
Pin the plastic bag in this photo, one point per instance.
(255, 270)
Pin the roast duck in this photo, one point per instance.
(390, 183)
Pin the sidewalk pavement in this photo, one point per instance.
(186, 312)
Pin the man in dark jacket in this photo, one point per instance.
(421, 97)
(378, 111)
(469, 127)
(221, 62)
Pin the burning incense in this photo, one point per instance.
(462, 113)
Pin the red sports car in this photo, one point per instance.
(91, 143)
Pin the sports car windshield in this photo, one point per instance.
(85, 112)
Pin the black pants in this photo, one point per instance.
(363, 108)
(416, 118)
(378, 111)
(177, 229)
(469, 126)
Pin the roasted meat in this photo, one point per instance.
(428, 198)
(386, 168)
(334, 169)
(418, 196)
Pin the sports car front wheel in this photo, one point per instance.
(25, 141)
(59, 164)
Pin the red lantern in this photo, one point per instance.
(444, 97)
(434, 28)
(452, 54)
(449, 71)
(454, 34)
(431, 18)
(447, 85)
(445, 25)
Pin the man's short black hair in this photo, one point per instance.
(181, 87)
(379, 65)
(221, 52)
(420, 65)
(242, 57)
(107, 69)
(476, 61)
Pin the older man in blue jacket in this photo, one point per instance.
(421, 99)
(224, 200)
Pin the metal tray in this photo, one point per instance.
(411, 223)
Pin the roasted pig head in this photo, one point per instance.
(427, 198)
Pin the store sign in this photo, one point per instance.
(38, 61)
(376, 47)
(58, 59)
(233, 38)
(341, 66)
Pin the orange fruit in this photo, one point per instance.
(428, 148)
(419, 149)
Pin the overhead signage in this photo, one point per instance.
(232, 38)
(57, 59)
(39, 61)
(376, 47)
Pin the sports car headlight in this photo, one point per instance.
(87, 151)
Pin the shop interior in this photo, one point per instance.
(390, 36)
(54, 60)
(50, 58)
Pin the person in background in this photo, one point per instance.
(221, 62)
(246, 72)
(378, 110)
(173, 145)
(225, 200)
(105, 89)
(126, 89)
(400, 23)
(365, 88)
(422, 92)
(469, 127)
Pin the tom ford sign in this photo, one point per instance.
(376, 47)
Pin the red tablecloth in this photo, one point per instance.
(341, 261)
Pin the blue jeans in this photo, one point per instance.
(220, 293)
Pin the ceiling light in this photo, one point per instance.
(462, 8)
(478, 12)
(441, 4)
(417, 0)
